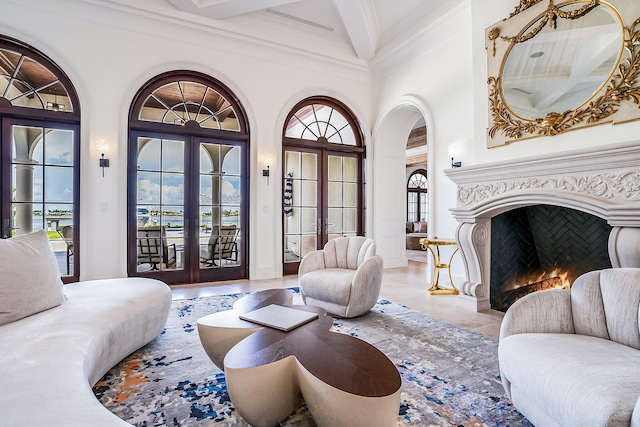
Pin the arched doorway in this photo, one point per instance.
(189, 190)
(323, 174)
(39, 151)
(391, 134)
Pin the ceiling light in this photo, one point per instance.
(535, 55)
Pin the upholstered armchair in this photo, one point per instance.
(572, 357)
(344, 278)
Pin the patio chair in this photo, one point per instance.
(153, 248)
(67, 235)
(222, 245)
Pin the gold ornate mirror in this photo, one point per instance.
(558, 67)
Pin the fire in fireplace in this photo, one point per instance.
(543, 247)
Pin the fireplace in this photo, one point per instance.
(600, 188)
(543, 247)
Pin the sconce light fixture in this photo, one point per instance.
(453, 150)
(267, 160)
(103, 147)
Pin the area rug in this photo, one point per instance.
(449, 374)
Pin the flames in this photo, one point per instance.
(557, 279)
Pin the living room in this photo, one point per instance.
(384, 67)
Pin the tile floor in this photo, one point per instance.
(404, 285)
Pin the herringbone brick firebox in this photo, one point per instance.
(531, 245)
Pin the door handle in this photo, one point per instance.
(327, 224)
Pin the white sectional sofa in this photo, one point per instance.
(50, 360)
(572, 358)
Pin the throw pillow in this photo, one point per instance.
(30, 277)
(420, 227)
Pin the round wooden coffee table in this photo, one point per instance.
(345, 381)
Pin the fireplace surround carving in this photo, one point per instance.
(603, 181)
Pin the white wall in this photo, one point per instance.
(109, 55)
(436, 73)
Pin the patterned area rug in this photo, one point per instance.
(449, 374)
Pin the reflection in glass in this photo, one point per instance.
(561, 69)
(309, 192)
(335, 168)
(335, 194)
(309, 166)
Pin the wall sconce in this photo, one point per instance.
(103, 147)
(266, 159)
(453, 150)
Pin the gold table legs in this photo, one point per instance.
(438, 265)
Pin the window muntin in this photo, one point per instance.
(417, 196)
(321, 122)
(181, 102)
(25, 82)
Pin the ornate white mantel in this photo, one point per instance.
(604, 182)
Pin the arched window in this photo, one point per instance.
(324, 177)
(188, 193)
(39, 151)
(417, 196)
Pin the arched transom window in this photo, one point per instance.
(188, 101)
(321, 122)
(26, 82)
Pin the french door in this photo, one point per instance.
(39, 186)
(187, 210)
(323, 199)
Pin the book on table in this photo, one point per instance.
(279, 317)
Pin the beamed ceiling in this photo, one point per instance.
(347, 30)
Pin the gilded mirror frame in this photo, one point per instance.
(617, 100)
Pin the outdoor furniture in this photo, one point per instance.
(344, 278)
(222, 245)
(153, 248)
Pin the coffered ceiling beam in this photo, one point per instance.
(358, 17)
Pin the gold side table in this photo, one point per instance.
(430, 244)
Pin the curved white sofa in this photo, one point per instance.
(50, 360)
(572, 358)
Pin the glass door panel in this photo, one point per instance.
(342, 196)
(220, 227)
(42, 189)
(302, 221)
(160, 207)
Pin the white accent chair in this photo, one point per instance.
(344, 278)
(572, 357)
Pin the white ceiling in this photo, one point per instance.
(351, 30)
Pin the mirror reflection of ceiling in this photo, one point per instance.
(560, 69)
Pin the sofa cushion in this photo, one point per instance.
(30, 277)
(419, 227)
(576, 380)
(329, 284)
